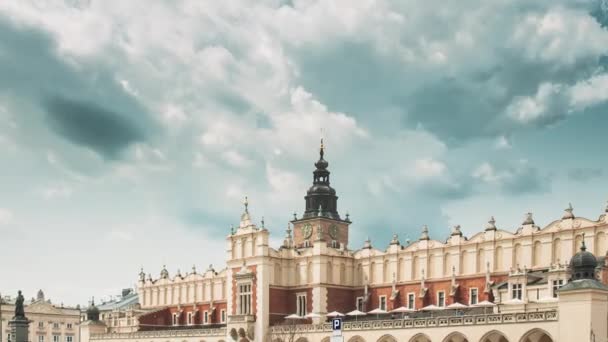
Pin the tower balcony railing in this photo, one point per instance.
(426, 322)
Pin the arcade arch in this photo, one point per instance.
(536, 335)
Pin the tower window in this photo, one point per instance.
(382, 303)
(301, 305)
(556, 285)
(411, 301)
(244, 299)
(440, 299)
(360, 303)
(516, 291)
(473, 296)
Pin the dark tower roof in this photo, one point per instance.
(321, 199)
(93, 312)
(583, 264)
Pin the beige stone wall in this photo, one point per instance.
(47, 321)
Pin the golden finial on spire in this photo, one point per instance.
(246, 203)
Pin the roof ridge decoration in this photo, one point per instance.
(456, 230)
(367, 244)
(425, 233)
(491, 225)
(528, 220)
(245, 217)
(568, 214)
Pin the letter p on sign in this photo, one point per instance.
(336, 324)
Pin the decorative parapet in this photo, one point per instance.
(160, 334)
(241, 318)
(429, 322)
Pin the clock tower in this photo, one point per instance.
(321, 221)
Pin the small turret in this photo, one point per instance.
(491, 225)
(425, 233)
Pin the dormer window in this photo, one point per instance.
(306, 244)
(335, 244)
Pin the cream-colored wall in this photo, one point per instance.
(47, 314)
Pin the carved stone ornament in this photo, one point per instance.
(233, 334)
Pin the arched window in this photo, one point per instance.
(537, 254)
(556, 255)
(498, 259)
(309, 273)
(342, 279)
(415, 268)
(277, 274)
(330, 272)
(517, 257)
(600, 243)
(385, 273)
(480, 260)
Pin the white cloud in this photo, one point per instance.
(502, 142)
(428, 167)
(589, 92)
(57, 191)
(6, 216)
(487, 173)
(236, 159)
(120, 235)
(560, 35)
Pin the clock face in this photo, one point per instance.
(307, 230)
(333, 231)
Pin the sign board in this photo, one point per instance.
(337, 339)
(336, 326)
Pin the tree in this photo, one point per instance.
(284, 332)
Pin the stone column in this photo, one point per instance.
(19, 329)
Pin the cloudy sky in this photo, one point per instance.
(130, 131)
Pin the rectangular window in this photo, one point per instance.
(40, 338)
(360, 303)
(382, 302)
(440, 299)
(206, 317)
(55, 325)
(56, 338)
(174, 319)
(244, 299)
(411, 301)
(556, 285)
(40, 324)
(69, 325)
(189, 318)
(69, 339)
(301, 305)
(473, 296)
(516, 291)
(223, 316)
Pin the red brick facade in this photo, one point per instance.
(164, 317)
(283, 302)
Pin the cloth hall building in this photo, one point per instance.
(532, 284)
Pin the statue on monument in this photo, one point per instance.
(19, 310)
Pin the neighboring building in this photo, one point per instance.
(49, 323)
(119, 315)
(516, 275)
